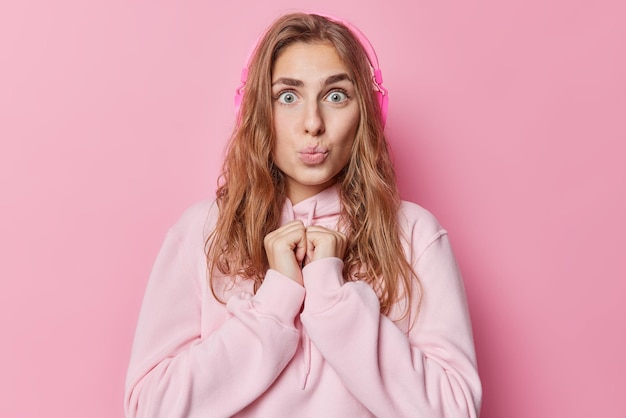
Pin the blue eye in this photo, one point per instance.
(286, 97)
(337, 96)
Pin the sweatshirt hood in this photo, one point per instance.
(322, 209)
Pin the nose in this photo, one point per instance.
(313, 119)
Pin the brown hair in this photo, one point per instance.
(252, 189)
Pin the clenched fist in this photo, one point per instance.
(292, 245)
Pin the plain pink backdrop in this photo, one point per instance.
(507, 121)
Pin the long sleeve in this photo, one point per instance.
(429, 372)
(174, 372)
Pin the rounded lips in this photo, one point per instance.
(313, 155)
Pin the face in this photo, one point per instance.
(316, 115)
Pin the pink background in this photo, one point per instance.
(507, 120)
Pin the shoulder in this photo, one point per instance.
(413, 215)
(196, 222)
(419, 226)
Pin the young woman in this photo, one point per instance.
(306, 288)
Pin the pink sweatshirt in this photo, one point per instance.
(259, 356)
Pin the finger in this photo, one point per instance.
(324, 242)
(288, 229)
(301, 249)
(310, 247)
(283, 233)
(285, 248)
(295, 233)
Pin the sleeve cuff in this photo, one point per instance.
(323, 280)
(279, 296)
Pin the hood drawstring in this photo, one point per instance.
(309, 218)
(306, 346)
(306, 341)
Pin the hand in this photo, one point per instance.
(323, 242)
(286, 248)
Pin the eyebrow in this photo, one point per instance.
(298, 83)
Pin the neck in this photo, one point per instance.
(300, 192)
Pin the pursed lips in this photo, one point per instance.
(313, 155)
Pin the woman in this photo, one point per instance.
(306, 288)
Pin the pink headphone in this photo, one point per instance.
(377, 75)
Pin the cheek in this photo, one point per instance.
(350, 121)
(348, 128)
(281, 134)
(345, 147)
(282, 118)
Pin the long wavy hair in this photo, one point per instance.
(251, 189)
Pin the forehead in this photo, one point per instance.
(307, 59)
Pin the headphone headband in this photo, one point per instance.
(377, 76)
